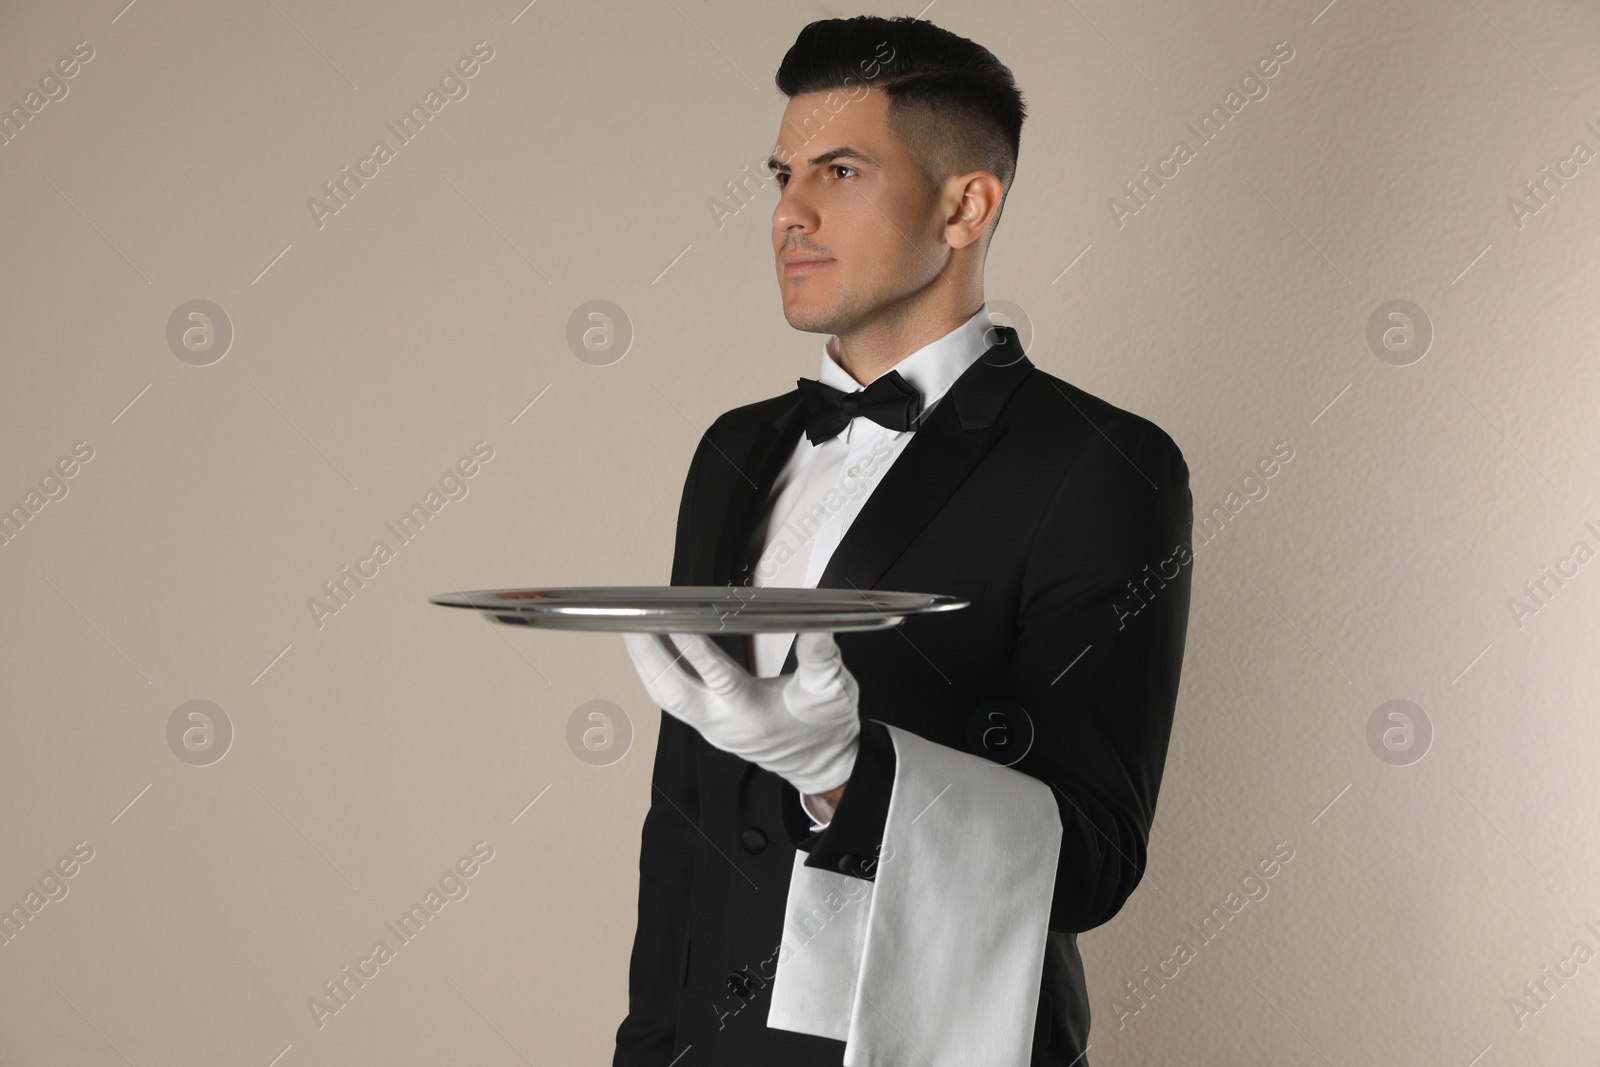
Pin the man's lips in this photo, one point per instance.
(793, 268)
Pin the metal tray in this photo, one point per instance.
(699, 608)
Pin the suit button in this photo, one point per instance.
(847, 863)
(753, 840)
(739, 985)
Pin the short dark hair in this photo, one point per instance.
(956, 106)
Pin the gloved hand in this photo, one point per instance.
(802, 726)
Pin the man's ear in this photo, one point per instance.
(974, 201)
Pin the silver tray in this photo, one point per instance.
(699, 608)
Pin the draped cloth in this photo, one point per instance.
(938, 960)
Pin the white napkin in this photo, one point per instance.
(938, 961)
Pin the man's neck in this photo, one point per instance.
(872, 350)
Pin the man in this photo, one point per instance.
(929, 456)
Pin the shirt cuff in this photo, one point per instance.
(816, 827)
(849, 843)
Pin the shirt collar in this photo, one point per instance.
(931, 369)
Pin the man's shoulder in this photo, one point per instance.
(1070, 418)
(741, 423)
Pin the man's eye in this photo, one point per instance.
(782, 177)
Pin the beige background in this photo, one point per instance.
(372, 752)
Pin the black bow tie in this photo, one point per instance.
(889, 401)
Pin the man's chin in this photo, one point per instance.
(809, 319)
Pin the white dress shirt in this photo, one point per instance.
(822, 487)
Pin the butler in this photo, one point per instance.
(879, 848)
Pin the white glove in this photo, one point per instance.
(802, 726)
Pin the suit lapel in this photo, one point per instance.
(934, 463)
(734, 516)
(752, 485)
(932, 466)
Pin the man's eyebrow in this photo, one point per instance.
(842, 152)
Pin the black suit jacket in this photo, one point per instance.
(1065, 521)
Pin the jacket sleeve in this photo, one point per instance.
(668, 842)
(1105, 607)
(850, 843)
(1100, 638)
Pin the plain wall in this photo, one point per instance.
(372, 749)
